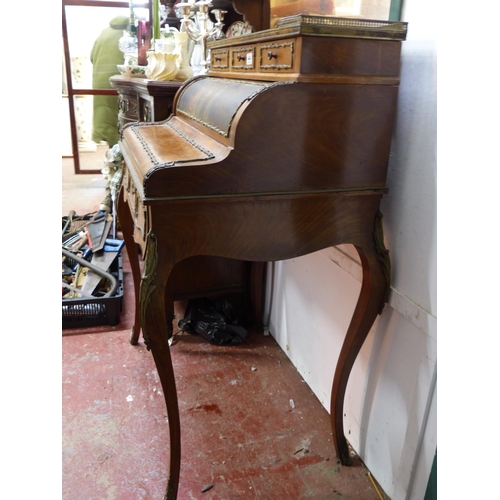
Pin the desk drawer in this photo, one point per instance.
(138, 211)
(277, 56)
(243, 58)
(128, 108)
(265, 57)
(122, 121)
(219, 59)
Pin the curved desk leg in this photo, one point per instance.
(373, 295)
(127, 225)
(157, 314)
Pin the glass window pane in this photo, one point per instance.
(84, 113)
(91, 145)
(85, 25)
(96, 121)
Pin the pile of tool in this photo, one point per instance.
(88, 254)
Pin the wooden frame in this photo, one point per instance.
(71, 91)
(395, 10)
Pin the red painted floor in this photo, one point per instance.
(241, 435)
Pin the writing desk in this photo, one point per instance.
(282, 150)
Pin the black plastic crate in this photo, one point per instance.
(84, 313)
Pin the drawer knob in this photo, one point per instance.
(218, 58)
(272, 55)
(123, 105)
(240, 57)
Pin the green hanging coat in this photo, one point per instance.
(105, 55)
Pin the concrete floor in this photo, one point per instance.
(251, 427)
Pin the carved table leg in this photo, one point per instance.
(156, 322)
(127, 226)
(373, 295)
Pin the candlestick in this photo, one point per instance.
(142, 42)
(199, 31)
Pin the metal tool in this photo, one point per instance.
(113, 281)
(69, 221)
(103, 260)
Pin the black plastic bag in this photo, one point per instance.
(214, 320)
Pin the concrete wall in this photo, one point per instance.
(391, 396)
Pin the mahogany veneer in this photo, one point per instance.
(262, 164)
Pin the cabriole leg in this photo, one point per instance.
(157, 314)
(373, 295)
(127, 226)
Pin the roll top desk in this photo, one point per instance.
(280, 151)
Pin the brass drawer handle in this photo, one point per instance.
(272, 55)
(123, 105)
(147, 113)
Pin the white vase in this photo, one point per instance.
(162, 66)
(181, 49)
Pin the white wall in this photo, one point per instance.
(390, 400)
